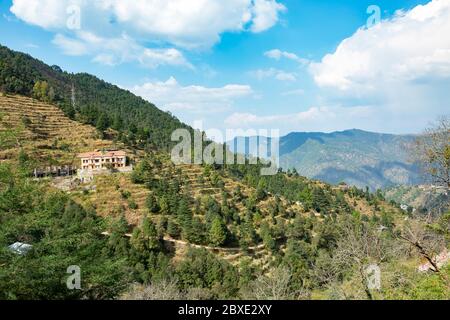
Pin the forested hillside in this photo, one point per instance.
(95, 102)
(426, 199)
(201, 232)
(191, 231)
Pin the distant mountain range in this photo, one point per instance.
(356, 157)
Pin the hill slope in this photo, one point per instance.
(356, 157)
(425, 199)
(48, 137)
(88, 99)
(44, 132)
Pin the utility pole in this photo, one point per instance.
(73, 96)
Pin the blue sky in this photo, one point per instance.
(253, 63)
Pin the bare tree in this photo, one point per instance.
(273, 286)
(161, 290)
(432, 151)
(359, 246)
(428, 243)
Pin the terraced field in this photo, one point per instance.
(44, 132)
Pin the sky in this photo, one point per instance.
(291, 65)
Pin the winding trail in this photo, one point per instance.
(237, 250)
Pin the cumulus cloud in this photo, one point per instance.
(113, 51)
(280, 75)
(265, 14)
(391, 51)
(402, 64)
(194, 23)
(172, 96)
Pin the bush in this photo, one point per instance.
(132, 204)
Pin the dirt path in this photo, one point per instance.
(220, 249)
(236, 250)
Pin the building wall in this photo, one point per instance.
(103, 162)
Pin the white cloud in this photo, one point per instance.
(277, 54)
(265, 14)
(70, 46)
(171, 96)
(314, 119)
(401, 66)
(280, 75)
(391, 51)
(113, 51)
(31, 45)
(285, 76)
(46, 14)
(194, 23)
(155, 57)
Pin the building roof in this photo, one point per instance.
(102, 154)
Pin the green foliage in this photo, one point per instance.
(217, 233)
(43, 92)
(146, 238)
(62, 234)
(102, 122)
(267, 237)
(140, 122)
(201, 269)
(152, 204)
(132, 204)
(431, 287)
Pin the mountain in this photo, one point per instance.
(356, 157)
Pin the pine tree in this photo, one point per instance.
(217, 233)
(150, 235)
(117, 123)
(102, 122)
(173, 229)
(152, 204)
(267, 238)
